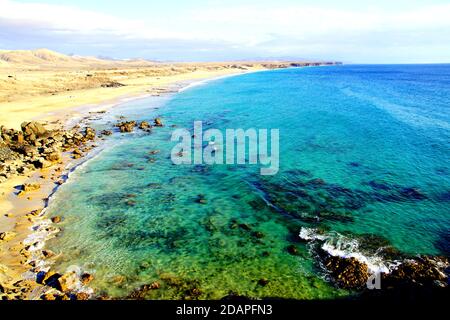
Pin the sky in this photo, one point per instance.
(350, 31)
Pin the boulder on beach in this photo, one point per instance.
(30, 187)
(6, 236)
(33, 130)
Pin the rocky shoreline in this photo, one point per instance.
(22, 153)
(397, 272)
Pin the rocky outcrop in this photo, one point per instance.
(348, 273)
(145, 126)
(33, 130)
(126, 126)
(158, 122)
(35, 147)
(419, 271)
(414, 273)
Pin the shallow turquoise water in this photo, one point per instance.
(363, 149)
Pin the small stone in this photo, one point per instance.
(86, 278)
(106, 132)
(49, 297)
(82, 296)
(263, 282)
(6, 236)
(47, 253)
(56, 219)
(292, 249)
(158, 122)
(30, 187)
(258, 234)
(155, 285)
(245, 227)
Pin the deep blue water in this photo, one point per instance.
(364, 149)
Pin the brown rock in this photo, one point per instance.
(49, 297)
(155, 285)
(6, 236)
(263, 282)
(292, 249)
(33, 129)
(54, 156)
(67, 282)
(30, 187)
(82, 296)
(86, 278)
(56, 219)
(106, 132)
(347, 272)
(127, 126)
(158, 122)
(144, 125)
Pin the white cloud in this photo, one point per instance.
(309, 31)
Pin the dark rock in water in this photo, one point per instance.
(56, 219)
(420, 271)
(316, 182)
(158, 122)
(141, 292)
(126, 126)
(89, 133)
(258, 234)
(298, 173)
(348, 273)
(201, 199)
(375, 244)
(106, 132)
(263, 282)
(200, 168)
(144, 125)
(51, 279)
(379, 185)
(354, 164)
(412, 193)
(443, 243)
(86, 278)
(154, 185)
(293, 250)
(445, 196)
(131, 203)
(257, 204)
(245, 227)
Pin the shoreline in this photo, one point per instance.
(15, 210)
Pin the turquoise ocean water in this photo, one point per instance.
(364, 150)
